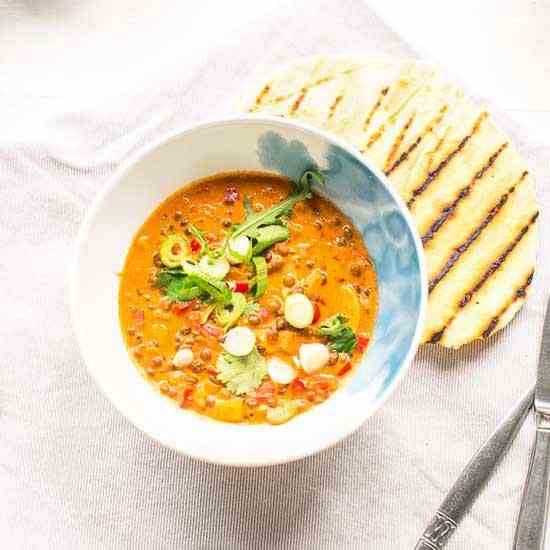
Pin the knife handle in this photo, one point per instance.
(473, 478)
(531, 526)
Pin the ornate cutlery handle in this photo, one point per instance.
(473, 477)
(531, 525)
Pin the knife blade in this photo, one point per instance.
(531, 525)
(542, 388)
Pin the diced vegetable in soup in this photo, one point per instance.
(247, 298)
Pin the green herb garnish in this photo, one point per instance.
(241, 375)
(177, 286)
(342, 338)
(260, 284)
(228, 315)
(277, 214)
(268, 236)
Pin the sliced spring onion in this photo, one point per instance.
(239, 250)
(173, 249)
(207, 312)
(217, 268)
(228, 315)
(260, 265)
(217, 290)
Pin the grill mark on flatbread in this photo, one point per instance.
(306, 88)
(334, 106)
(436, 336)
(431, 125)
(375, 107)
(435, 173)
(260, 97)
(399, 139)
(299, 100)
(390, 120)
(472, 237)
(519, 294)
(449, 210)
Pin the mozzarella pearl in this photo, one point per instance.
(299, 310)
(239, 341)
(279, 371)
(183, 358)
(313, 357)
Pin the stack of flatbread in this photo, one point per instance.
(469, 192)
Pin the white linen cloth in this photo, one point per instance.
(82, 86)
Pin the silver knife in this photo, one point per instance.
(531, 525)
(473, 477)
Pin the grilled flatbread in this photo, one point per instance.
(468, 190)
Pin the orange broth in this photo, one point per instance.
(325, 259)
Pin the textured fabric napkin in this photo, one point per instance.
(73, 472)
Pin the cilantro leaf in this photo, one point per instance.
(241, 375)
(342, 338)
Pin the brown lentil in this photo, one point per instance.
(289, 280)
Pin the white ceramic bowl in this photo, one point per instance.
(247, 143)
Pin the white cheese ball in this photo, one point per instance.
(279, 371)
(183, 358)
(299, 310)
(313, 357)
(239, 341)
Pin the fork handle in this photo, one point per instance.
(531, 526)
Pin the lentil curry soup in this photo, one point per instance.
(247, 298)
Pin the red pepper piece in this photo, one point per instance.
(298, 385)
(180, 308)
(186, 398)
(316, 313)
(346, 368)
(265, 391)
(195, 246)
(211, 330)
(241, 286)
(268, 256)
(362, 342)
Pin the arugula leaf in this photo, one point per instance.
(217, 290)
(268, 236)
(342, 338)
(276, 214)
(241, 375)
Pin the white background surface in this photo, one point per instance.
(501, 47)
(85, 82)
